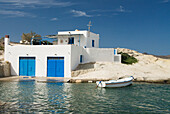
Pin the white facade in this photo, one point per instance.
(40, 52)
(81, 38)
(71, 53)
(92, 55)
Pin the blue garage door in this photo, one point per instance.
(27, 66)
(55, 67)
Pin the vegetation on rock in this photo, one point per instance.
(2, 43)
(127, 59)
(1, 48)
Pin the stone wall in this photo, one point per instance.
(1, 55)
(5, 69)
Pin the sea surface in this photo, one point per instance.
(33, 97)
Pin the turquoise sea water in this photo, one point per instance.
(33, 97)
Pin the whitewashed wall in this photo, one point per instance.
(41, 52)
(76, 40)
(98, 55)
(85, 38)
(92, 55)
(70, 53)
(76, 51)
(94, 37)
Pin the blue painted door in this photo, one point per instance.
(27, 66)
(23, 67)
(55, 67)
(51, 67)
(31, 67)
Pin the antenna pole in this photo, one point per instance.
(89, 25)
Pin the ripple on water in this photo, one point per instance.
(31, 97)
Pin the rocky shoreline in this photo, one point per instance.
(139, 81)
(73, 80)
(148, 69)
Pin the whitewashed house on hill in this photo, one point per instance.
(58, 60)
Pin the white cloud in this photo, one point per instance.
(165, 1)
(111, 12)
(9, 7)
(80, 13)
(54, 19)
(102, 11)
(15, 13)
(33, 3)
(122, 9)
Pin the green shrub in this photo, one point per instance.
(1, 48)
(127, 59)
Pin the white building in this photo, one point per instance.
(78, 38)
(58, 60)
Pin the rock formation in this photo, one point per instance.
(148, 69)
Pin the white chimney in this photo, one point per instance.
(6, 40)
(6, 43)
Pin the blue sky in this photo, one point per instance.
(142, 25)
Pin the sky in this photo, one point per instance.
(141, 25)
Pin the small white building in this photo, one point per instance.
(84, 38)
(58, 60)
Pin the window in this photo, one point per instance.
(81, 58)
(71, 40)
(92, 43)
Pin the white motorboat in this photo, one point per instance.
(115, 83)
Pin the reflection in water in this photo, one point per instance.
(32, 97)
(55, 97)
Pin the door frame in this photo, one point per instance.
(18, 62)
(47, 63)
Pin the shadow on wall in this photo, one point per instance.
(13, 71)
(86, 57)
(84, 66)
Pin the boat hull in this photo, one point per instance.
(119, 84)
(116, 83)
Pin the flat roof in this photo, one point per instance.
(59, 35)
(69, 33)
